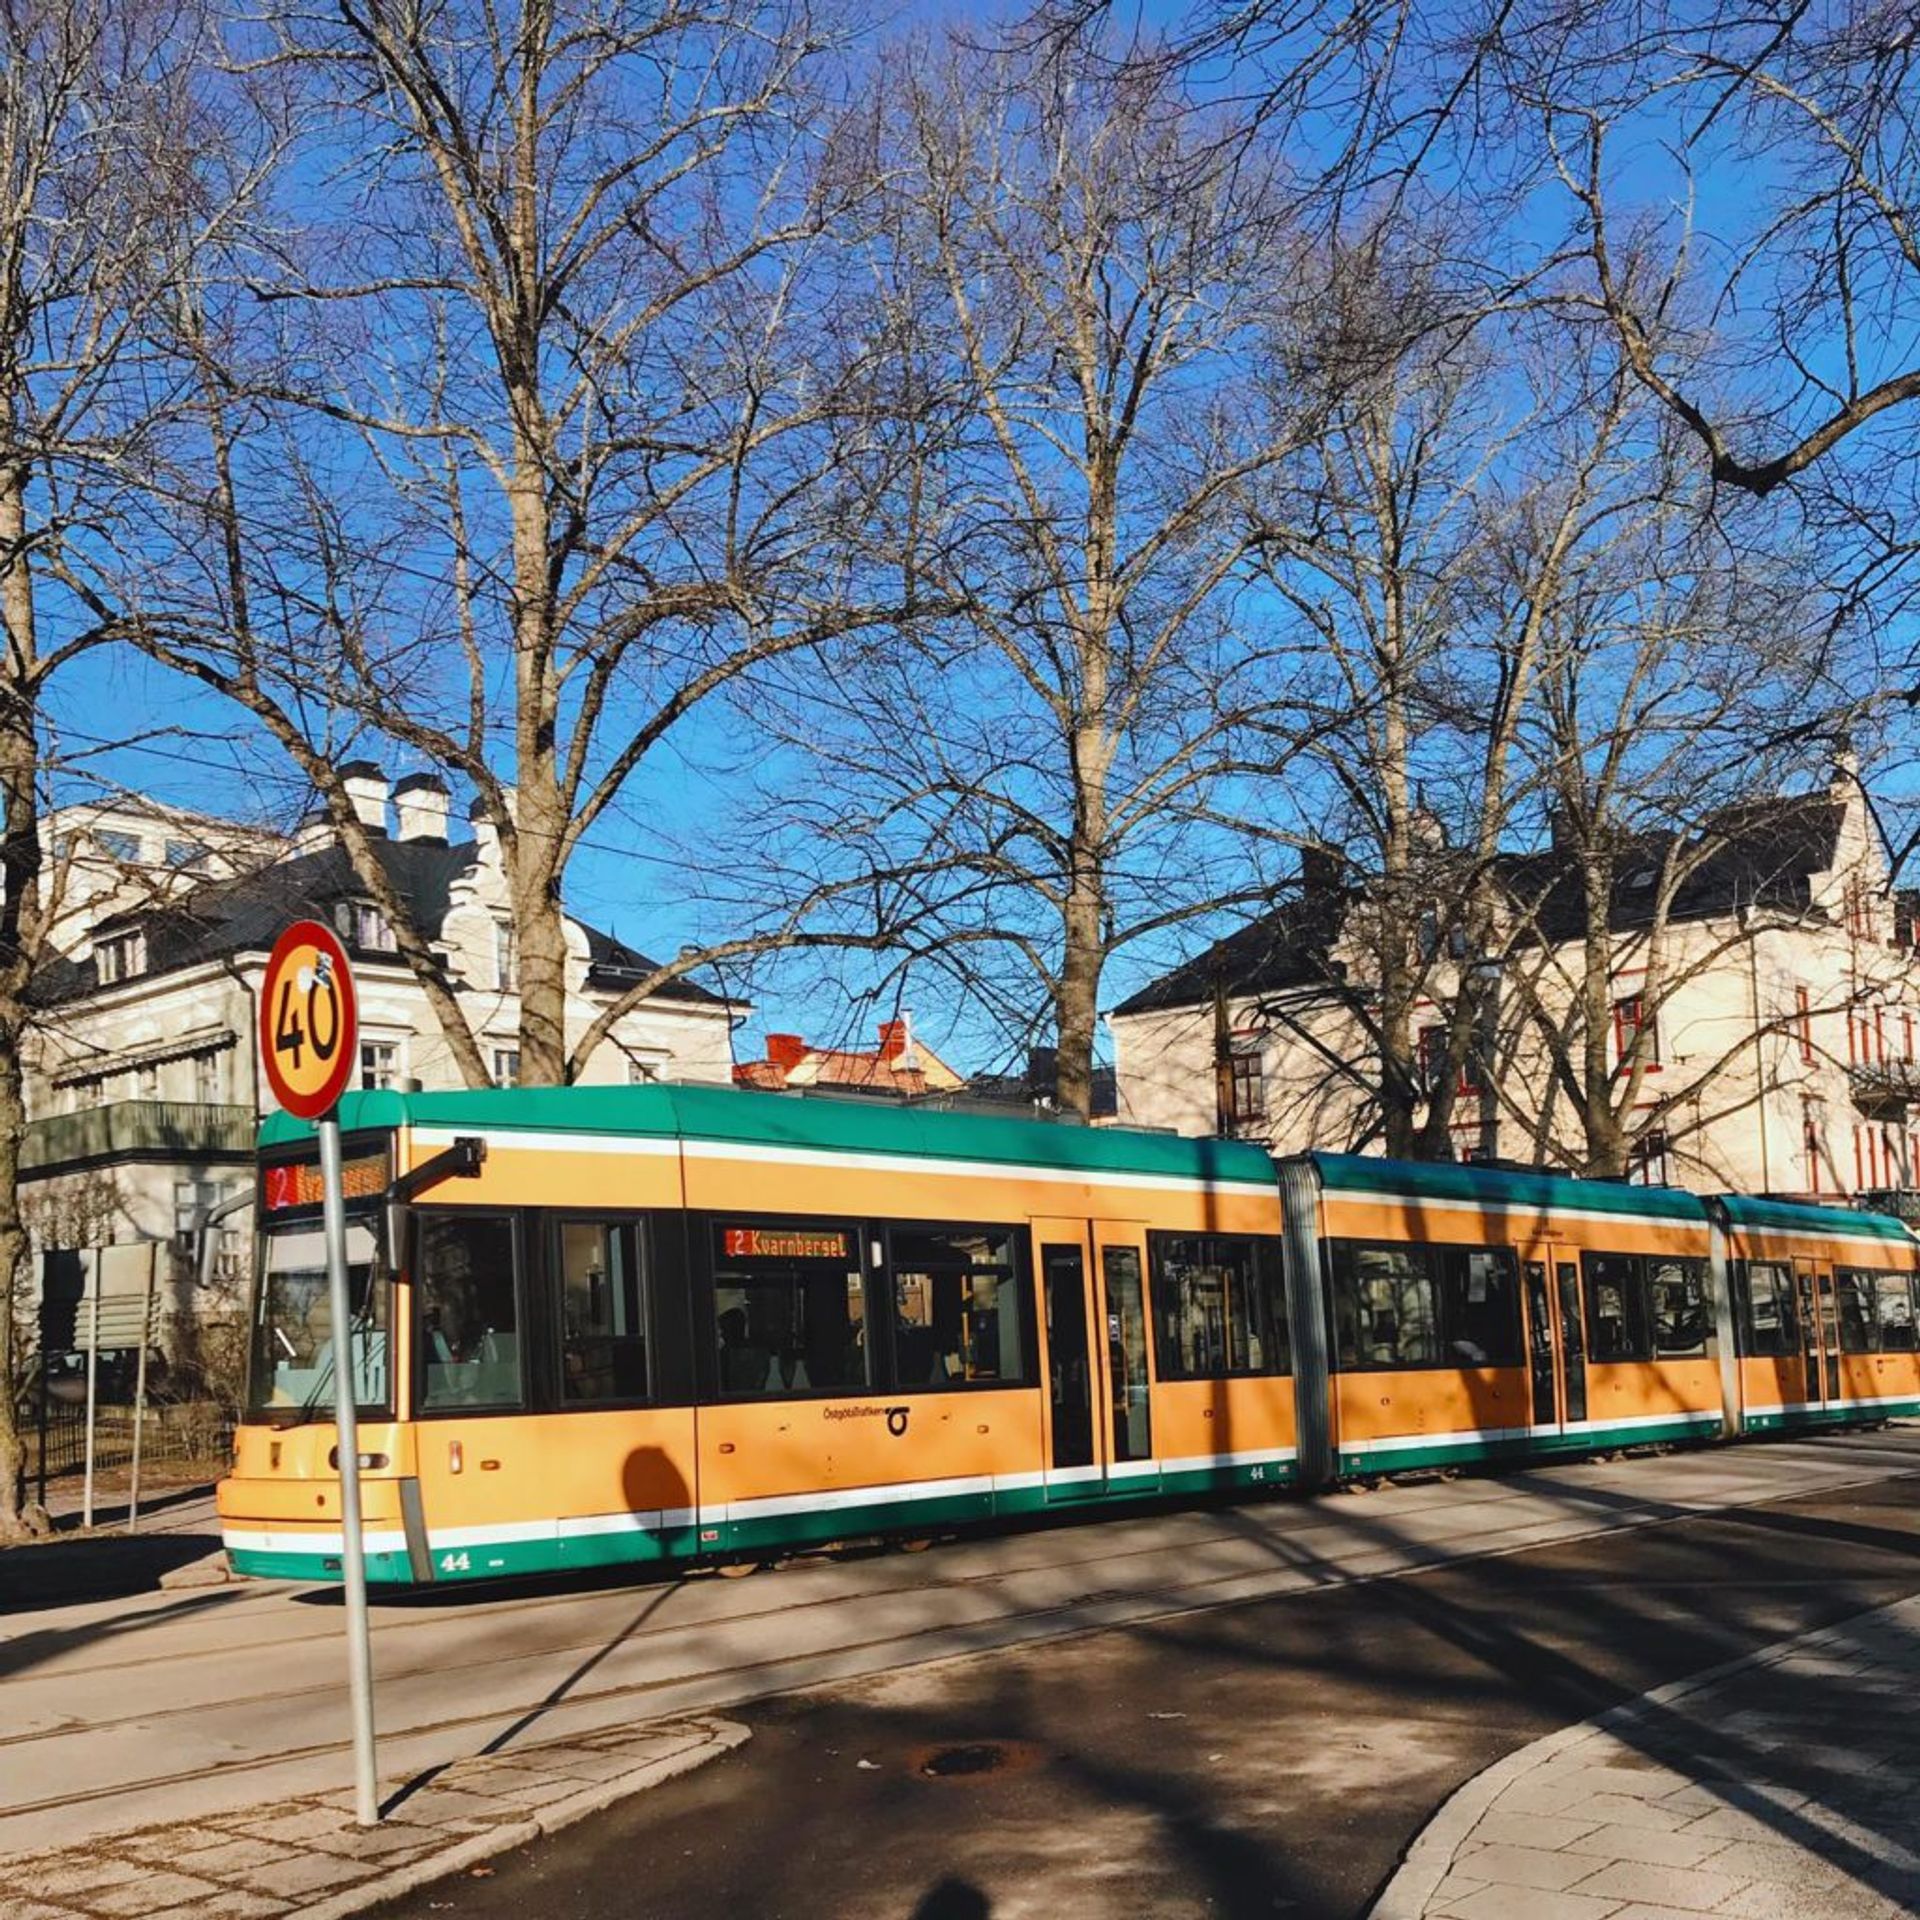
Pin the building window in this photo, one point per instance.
(206, 1077)
(1810, 1145)
(506, 1066)
(642, 1073)
(1805, 1016)
(506, 957)
(372, 931)
(1247, 1100)
(124, 847)
(379, 1064)
(1469, 1083)
(146, 1080)
(185, 853)
(1647, 1162)
(1633, 1018)
(123, 956)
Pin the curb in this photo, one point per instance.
(1430, 1855)
(722, 1737)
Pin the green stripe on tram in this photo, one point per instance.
(768, 1533)
(733, 1116)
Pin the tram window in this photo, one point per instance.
(1768, 1310)
(293, 1325)
(1220, 1305)
(1853, 1299)
(603, 1314)
(1480, 1306)
(956, 1308)
(1895, 1312)
(1616, 1286)
(1682, 1311)
(789, 1310)
(469, 1317)
(1384, 1306)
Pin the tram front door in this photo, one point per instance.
(1093, 1299)
(1819, 1333)
(1556, 1337)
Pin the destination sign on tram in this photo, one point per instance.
(783, 1243)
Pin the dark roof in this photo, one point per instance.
(247, 915)
(1285, 948)
(1762, 853)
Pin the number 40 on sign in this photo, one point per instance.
(309, 1020)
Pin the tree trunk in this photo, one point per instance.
(20, 876)
(1077, 999)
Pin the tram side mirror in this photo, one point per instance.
(461, 1161)
(203, 1238)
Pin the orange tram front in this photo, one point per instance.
(596, 1326)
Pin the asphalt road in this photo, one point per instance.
(1271, 1758)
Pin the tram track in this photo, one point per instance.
(1108, 1607)
(419, 1615)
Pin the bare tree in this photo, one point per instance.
(543, 445)
(1079, 284)
(108, 188)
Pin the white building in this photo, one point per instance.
(1780, 994)
(142, 1085)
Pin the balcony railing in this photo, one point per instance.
(136, 1126)
(1884, 1083)
(1902, 1202)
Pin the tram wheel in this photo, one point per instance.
(918, 1544)
(736, 1569)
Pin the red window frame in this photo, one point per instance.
(1630, 1018)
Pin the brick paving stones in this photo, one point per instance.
(306, 1855)
(1781, 1787)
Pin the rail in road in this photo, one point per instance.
(139, 1711)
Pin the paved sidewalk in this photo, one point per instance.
(307, 1856)
(1785, 1786)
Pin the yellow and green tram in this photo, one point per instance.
(602, 1326)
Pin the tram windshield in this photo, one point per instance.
(292, 1360)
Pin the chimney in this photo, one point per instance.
(786, 1050)
(420, 804)
(366, 787)
(896, 1040)
(486, 837)
(314, 834)
(1322, 870)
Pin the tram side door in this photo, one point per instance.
(1819, 1332)
(1120, 1287)
(1074, 1468)
(1099, 1407)
(1556, 1336)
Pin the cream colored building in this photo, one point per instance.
(1780, 982)
(143, 1088)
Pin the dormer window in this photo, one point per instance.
(123, 956)
(361, 924)
(372, 931)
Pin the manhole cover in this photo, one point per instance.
(970, 1760)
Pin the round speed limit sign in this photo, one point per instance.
(309, 1020)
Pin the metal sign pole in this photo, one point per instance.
(353, 1559)
(140, 1385)
(93, 1377)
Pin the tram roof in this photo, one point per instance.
(1502, 1186)
(731, 1114)
(1798, 1216)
